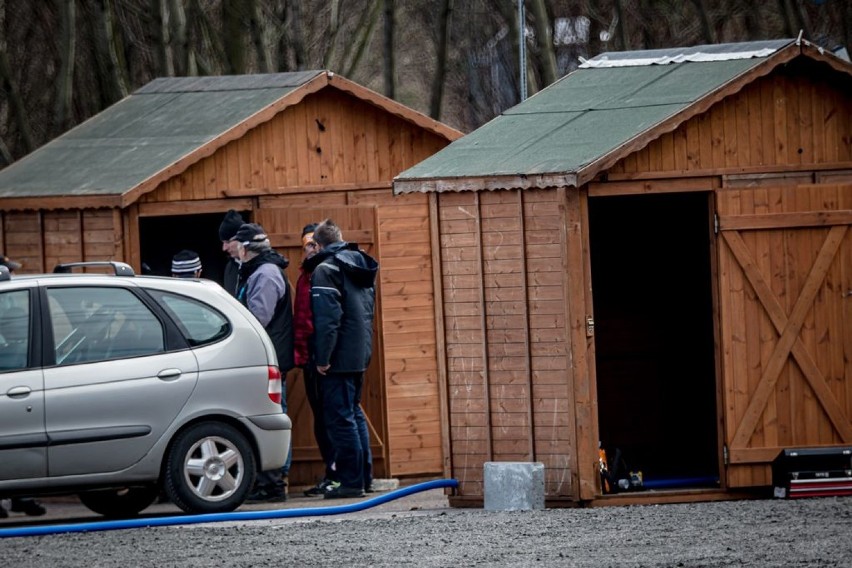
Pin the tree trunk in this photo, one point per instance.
(333, 28)
(621, 26)
(179, 39)
(67, 50)
(233, 36)
(706, 26)
(753, 22)
(113, 83)
(362, 36)
(388, 53)
(161, 37)
(544, 39)
(298, 38)
(19, 113)
(441, 59)
(256, 27)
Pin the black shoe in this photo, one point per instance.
(319, 489)
(29, 507)
(264, 495)
(342, 492)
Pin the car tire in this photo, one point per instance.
(209, 469)
(120, 503)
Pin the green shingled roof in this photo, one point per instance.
(584, 117)
(146, 132)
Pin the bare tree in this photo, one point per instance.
(234, 35)
(544, 41)
(441, 60)
(388, 55)
(364, 31)
(67, 53)
(111, 76)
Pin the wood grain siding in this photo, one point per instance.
(791, 119)
(506, 336)
(330, 138)
(786, 273)
(41, 240)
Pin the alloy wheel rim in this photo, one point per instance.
(213, 468)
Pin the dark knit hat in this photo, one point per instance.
(309, 228)
(185, 263)
(230, 224)
(249, 233)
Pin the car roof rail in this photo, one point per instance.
(120, 268)
(4, 273)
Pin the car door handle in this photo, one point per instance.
(19, 392)
(169, 374)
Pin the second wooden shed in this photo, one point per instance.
(156, 172)
(653, 254)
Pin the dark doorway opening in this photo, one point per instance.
(161, 237)
(655, 365)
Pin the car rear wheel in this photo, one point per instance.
(209, 469)
(118, 503)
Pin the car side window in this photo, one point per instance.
(199, 323)
(14, 330)
(100, 323)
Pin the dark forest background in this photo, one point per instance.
(62, 61)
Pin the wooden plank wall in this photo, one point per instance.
(506, 335)
(329, 139)
(334, 149)
(42, 239)
(794, 413)
(786, 121)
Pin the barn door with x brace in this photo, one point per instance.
(785, 302)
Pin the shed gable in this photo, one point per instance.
(794, 116)
(330, 140)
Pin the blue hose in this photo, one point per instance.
(223, 517)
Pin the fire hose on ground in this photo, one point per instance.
(233, 516)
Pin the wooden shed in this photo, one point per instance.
(653, 254)
(156, 172)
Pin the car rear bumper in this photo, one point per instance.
(272, 433)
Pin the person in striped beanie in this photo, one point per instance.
(186, 264)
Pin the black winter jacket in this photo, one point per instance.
(343, 299)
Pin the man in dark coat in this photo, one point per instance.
(263, 289)
(227, 229)
(343, 301)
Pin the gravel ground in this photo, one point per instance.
(421, 530)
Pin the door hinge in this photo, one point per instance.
(725, 454)
(715, 223)
(590, 326)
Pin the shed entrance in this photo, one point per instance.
(161, 237)
(654, 353)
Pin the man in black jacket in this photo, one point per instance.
(343, 300)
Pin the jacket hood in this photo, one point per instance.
(269, 256)
(359, 267)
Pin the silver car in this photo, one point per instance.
(119, 387)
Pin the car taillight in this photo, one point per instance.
(274, 388)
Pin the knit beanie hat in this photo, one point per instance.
(185, 264)
(230, 224)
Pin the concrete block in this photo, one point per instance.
(514, 486)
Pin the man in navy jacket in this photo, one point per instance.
(343, 300)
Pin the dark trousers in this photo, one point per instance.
(347, 428)
(312, 391)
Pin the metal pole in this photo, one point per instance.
(522, 49)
